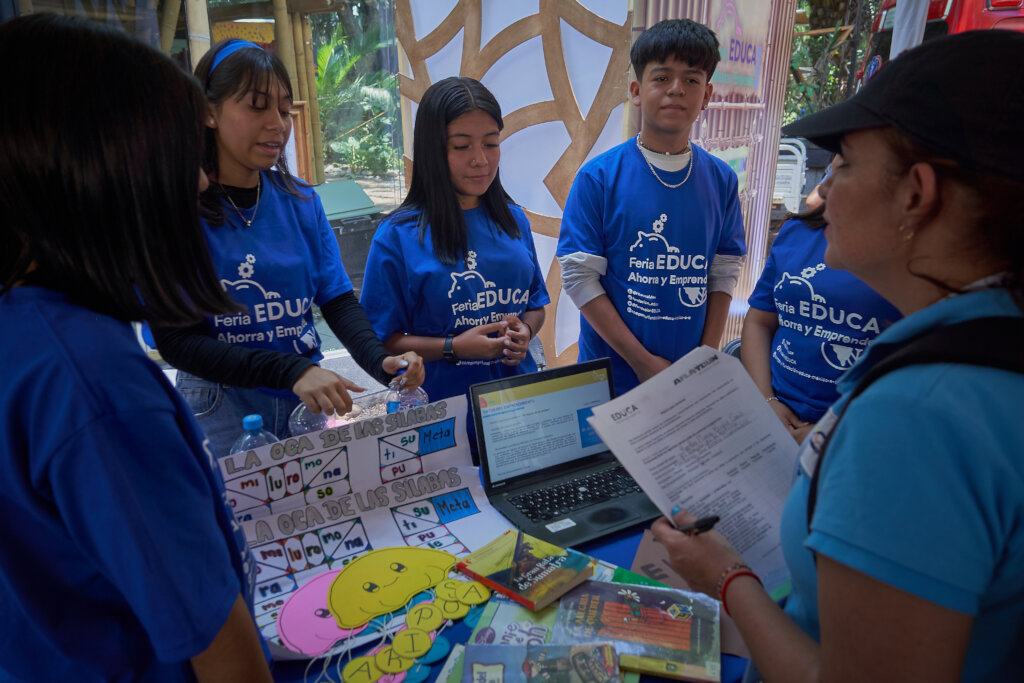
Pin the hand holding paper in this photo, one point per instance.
(700, 436)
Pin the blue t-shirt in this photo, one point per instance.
(287, 260)
(922, 488)
(406, 289)
(658, 242)
(121, 558)
(827, 318)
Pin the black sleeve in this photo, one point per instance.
(191, 349)
(347, 319)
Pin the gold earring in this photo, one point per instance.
(907, 236)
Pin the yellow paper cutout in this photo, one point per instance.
(383, 581)
(426, 616)
(473, 593)
(412, 642)
(449, 589)
(389, 661)
(453, 609)
(361, 670)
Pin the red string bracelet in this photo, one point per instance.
(745, 571)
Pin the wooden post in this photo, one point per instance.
(301, 73)
(283, 36)
(314, 104)
(169, 24)
(197, 23)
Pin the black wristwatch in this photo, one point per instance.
(448, 352)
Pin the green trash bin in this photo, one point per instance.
(354, 217)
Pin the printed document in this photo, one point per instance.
(700, 435)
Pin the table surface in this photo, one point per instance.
(619, 549)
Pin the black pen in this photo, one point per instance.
(699, 526)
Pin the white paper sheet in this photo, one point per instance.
(700, 435)
(318, 501)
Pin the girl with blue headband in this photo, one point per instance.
(276, 255)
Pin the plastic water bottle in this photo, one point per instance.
(303, 420)
(254, 435)
(399, 398)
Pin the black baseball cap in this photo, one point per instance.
(960, 96)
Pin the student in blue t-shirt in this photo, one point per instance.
(904, 529)
(652, 243)
(120, 560)
(276, 254)
(807, 324)
(453, 274)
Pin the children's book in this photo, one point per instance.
(532, 572)
(504, 622)
(660, 631)
(568, 663)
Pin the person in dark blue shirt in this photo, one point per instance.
(121, 559)
(277, 255)
(807, 324)
(453, 273)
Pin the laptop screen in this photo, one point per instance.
(528, 423)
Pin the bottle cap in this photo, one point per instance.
(252, 423)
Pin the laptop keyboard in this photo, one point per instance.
(567, 496)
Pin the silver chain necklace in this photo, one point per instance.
(689, 166)
(259, 185)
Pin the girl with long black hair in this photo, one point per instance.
(453, 274)
(275, 253)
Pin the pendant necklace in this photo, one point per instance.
(689, 167)
(256, 206)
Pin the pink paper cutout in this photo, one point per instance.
(304, 623)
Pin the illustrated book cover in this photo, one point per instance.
(532, 572)
(568, 663)
(504, 622)
(664, 632)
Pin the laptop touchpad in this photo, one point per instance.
(609, 515)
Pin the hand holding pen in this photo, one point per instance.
(699, 526)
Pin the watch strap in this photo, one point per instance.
(448, 351)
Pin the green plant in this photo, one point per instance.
(358, 104)
(821, 64)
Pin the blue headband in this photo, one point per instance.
(231, 48)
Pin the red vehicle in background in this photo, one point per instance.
(944, 17)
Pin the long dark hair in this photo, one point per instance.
(99, 176)
(431, 193)
(812, 218)
(248, 70)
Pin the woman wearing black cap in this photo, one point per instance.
(904, 531)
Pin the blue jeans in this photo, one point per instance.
(219, 408)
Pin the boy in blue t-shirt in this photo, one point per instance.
(652, 236)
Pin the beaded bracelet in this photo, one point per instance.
(726, 578)
(527, 327)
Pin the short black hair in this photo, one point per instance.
(249, 70)
(686, 40)
(431, 192)
(99, 176)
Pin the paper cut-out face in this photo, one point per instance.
(384, 580)
(304, 622)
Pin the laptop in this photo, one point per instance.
(543, 466)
